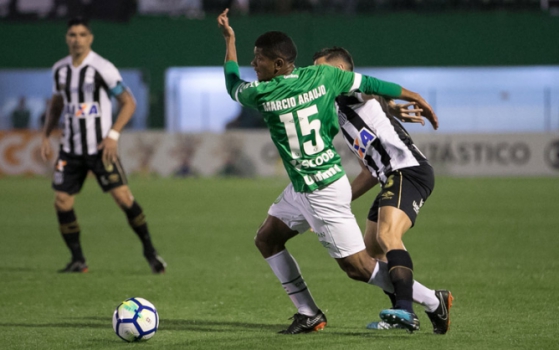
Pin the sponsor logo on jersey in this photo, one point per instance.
(322, 175)
(362, 141)
(83, 110)
(319, 160)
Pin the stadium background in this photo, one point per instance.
(429, 34)
(488, 233)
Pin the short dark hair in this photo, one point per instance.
(277, 45)
(76, 21)
(333, 53)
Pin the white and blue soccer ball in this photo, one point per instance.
(135, 319)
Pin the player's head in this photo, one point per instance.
(79, 36)
(274, 55)
(334, 56)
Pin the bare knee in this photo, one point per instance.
(359, 266)
(262, 243)
(63, 201)
(389, 240)
(122, 196)
(272, 235)
(355, 273)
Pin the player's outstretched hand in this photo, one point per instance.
(427, 110)
(223, 23)
(407, 113)
(429, 113)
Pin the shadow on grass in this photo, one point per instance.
(206, 326)
(226, 326)
(199, 325)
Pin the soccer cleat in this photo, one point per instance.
(408, 320)
(383, 325)
(306, 324)
(156, 263)
(440, 318)
(75, 266)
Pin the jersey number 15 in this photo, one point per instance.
(306, 128)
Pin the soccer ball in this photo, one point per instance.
(135, 319)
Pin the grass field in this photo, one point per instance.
(493, 242)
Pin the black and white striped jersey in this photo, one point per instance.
(87, 92)
(378, 140)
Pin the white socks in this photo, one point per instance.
(421, 294)
(287, 271)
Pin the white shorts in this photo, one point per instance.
(327, 212)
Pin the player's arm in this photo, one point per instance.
(363, 182)
(231, 66)
(370, 85)
(238, 89)
(127, 106)
(228, 35)
(54, 111)
(405, 112)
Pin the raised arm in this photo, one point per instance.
(229, 35)
(232, 75)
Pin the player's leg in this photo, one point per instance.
(112, 178)
(402, 196)
(68, 178)
(137, 221)
(329, 213)
(375, 251)
(70, 230)
(393, 222)
(283, 223)
(371, 242)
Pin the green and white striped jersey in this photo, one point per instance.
(299, 110)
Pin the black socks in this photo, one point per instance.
(70, 230)
(137, 220)
(400, 269)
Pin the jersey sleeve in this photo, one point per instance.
(241, 91)
(112, 78)
(350, 81)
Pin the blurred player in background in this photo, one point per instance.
(297, 105)
(83, 85)
(387, 154)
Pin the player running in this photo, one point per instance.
(297, 105)
(387, 154)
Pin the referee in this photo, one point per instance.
(84, 83)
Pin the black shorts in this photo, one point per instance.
(406, 189)
(70, 172)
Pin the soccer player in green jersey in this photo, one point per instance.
(298, 107)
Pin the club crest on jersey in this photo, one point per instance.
(363, 139)
(83, 110)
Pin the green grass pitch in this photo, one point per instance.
(493, 242)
